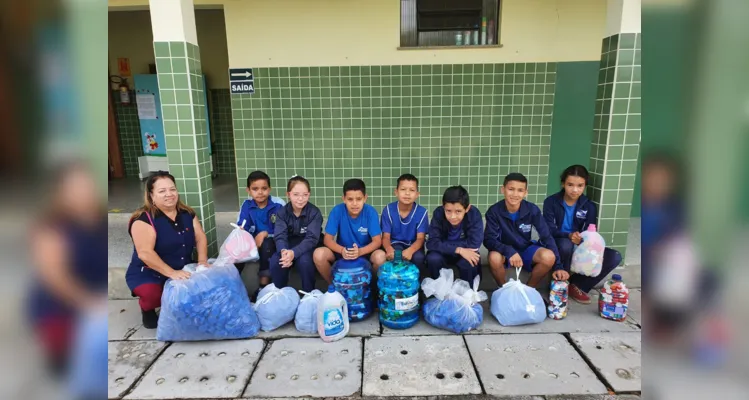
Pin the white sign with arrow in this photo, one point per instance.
(241, 80)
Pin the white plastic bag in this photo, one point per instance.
(306, 315)
(587, 259)
(211, 305)
(455, 304)
(275, 307)
(517, 304)
(238, 247)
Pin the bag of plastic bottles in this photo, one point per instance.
(306, 315)
(275, 307)
(588, 256)
(211, 305)
(455, 304)
(238, 247)
(517, 304)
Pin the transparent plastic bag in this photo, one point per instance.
(306, 315)
(238, 247)
(211, 305)
(275, 307)
(587, 258)
(517, 304)
(455, 304)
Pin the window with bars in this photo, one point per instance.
(436, 23)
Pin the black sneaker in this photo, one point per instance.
(150, 319)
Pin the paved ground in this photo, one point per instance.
(580, 355)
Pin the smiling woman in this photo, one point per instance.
(165, 232)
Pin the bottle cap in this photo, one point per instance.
(592, 227)
(616, 277)
(331, 289)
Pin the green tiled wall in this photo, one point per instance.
(221, 132)
(446, 124)
(616, 136)
(129, 127)
(181, 90)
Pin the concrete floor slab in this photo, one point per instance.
(635, 306)
(418, 366)
(367, 328)
(124, 318)
(126, 362)
(201, 370)
(543, 364)
(308, 367)
(617, 356)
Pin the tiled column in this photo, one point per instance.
(616, 131)
(181, 90)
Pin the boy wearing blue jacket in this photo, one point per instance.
(455, 235)
(352, 231)
(258, 213)
(508, 235)
(568, 214)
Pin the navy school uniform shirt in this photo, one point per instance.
(175, 243)
(509, 237)
(445, 238)
(404, 230)
(300, 234)
(584, 215)
(359, 230)
(259, 219)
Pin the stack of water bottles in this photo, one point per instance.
(398, 283)
(351, 279)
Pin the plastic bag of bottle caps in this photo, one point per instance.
(275, 307)
(351, 279)
(455, 306)
(306, 315)
(211, 305)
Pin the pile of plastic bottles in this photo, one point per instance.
(588, 256)
(351, 279)
(455, 306)
(211, 305)
(398, 283)
(275, 307)
(614, 299)
(558, 299)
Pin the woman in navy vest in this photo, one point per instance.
(568, 214)
(69, 249)
(165, 233)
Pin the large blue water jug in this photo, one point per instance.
(351, 279)
(398, 283)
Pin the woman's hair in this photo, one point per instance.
(148, 205)
(575, 170)
(57, 181)
(297, 179)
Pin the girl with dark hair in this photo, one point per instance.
(165, 232)
(569, 213)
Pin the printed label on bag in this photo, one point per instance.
(333, 322)
(407, 303)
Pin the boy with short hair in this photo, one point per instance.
(455, 235)
(404, 225)
(509, 223)
(352, 230)
(259, 215)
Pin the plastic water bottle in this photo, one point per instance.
(398, 283)
(558, 299)
(588, 256)
(332, 316)
(614, 299)
(352, 278)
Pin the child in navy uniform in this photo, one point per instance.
(259, 215)
(568, 214)
(297, 234)
(455, 235)
(508, 235)
(404, 225)
(353, 230)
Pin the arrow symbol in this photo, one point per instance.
(246, 74)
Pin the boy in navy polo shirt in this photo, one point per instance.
(404, 225)
(455, 235)
(508, 235)
(352, 231)
(259, 215)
